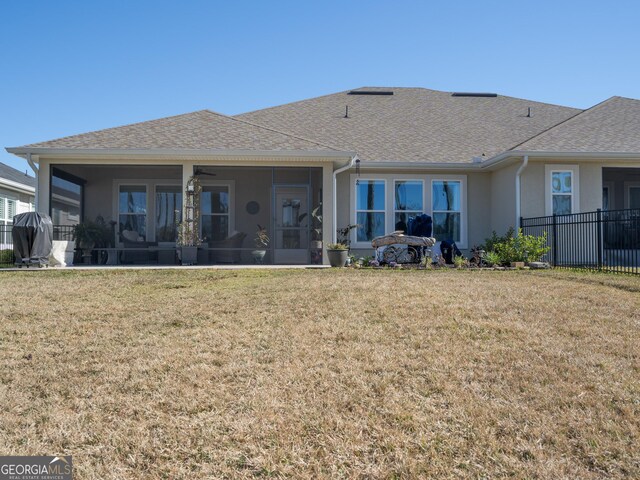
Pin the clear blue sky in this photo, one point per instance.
(74, 66)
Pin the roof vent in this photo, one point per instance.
(473, 94)
(370, 92)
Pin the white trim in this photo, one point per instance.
(427, 179)
(627, 192)
(19, 187)
(549, 169)
(354, 205)
(173, 152)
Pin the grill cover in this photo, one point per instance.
(32, 238)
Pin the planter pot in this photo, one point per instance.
(189, 255)
(258, 256)
(62, 253)
(517, 264)
(337, 258)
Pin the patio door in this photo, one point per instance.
(291, 224)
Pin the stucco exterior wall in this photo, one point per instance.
(503, 194)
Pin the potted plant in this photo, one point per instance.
(188, 230)
(89, 234)
(337, 254)
(262, 243)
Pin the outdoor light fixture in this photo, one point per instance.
(357, 171)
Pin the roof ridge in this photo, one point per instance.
(590, 109)
(119, 126)
(241, 120)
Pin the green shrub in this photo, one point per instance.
(490, 243)
(337, 246)
(492, 258)
(522, 248)
(6, 257)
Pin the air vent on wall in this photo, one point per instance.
(473, 94)
(370, 92)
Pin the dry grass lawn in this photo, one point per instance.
(313, 374)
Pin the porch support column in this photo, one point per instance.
(187, 173)
(327, 209)
(43, 187)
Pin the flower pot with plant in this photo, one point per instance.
(337, 253)
(262, 243)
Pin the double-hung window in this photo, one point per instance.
(132, 209)
(447, 210)
(215, 212)
(168, 212)
(562, 192)
(370, 209)
(7, 212)
(408, 202)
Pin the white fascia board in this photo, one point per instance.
(20, 187)
(164, 152)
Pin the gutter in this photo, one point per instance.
(525, 162)
(35, 172)
(172, 152)
(334, 226)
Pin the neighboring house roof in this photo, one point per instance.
(414, 124)
(16, 176)
(201, 130)
(612, 126)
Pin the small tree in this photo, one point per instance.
(189, 228)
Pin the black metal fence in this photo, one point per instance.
(600, 240)
(60, 232)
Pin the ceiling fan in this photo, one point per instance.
(199, 171)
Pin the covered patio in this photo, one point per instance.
(138, 208)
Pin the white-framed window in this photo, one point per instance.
(216, 211)
(632, 194)
(407, 196)
(562, 188)
(132, 209)
(446, 207)
(8, 208)
(371, 206)
(408, 201)
(168, 207)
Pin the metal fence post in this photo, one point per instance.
(599, 230)
(555, 241)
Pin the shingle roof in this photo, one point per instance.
(17, 176)
(612, 126)
(414, 124)
(199, 130)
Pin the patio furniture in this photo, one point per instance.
(227, 250)
(136, 249)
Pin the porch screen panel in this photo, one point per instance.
(66, 198)
(446, 210)
(133, 209)
(168, 213)
(370, 209)
(214, 211)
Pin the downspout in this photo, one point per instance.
(525, 161)
(35, 172)
(334, 234)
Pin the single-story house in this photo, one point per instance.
(17, 195)
(373, 156)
